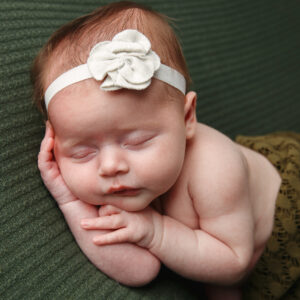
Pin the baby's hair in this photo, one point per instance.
(70, 45)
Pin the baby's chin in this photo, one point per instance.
(129, 203)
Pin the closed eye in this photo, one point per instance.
(136, 141)
(83, 154)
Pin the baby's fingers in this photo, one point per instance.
(108, 210)
(44, 159)
(114, 237)
(106, 222)
(48, 140)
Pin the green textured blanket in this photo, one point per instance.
(244, 59)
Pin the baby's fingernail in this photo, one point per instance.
(97, 240)
(85, 223)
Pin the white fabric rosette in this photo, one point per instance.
(125, 62)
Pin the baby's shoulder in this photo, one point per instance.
(211, 148)
(217, 169)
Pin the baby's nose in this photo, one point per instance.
(112, 162)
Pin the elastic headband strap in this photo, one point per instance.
(72, 76)
(125, 62)
(81, 72)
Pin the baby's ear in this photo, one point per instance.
(190, 114)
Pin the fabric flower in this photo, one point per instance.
(125, 62)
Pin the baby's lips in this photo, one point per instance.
(123, 191)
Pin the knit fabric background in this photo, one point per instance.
(244, 59)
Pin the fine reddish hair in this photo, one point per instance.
(70, 45)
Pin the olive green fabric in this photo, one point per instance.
(278, 269)
(244, 59)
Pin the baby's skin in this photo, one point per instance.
(140, 182)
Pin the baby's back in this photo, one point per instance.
(216, 169)
(264, 186)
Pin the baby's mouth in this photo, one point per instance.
(123, 191)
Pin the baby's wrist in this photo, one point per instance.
(65, 200)
(158, 230)
(64, 204)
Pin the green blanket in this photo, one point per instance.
(244, 59)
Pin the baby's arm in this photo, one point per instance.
(126, 263)
(195, 254)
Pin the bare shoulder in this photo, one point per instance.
(218, 173)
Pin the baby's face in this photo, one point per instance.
(123, 148)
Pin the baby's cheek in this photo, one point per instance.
(75, 178)
(163, 171)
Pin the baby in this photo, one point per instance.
(139, 181)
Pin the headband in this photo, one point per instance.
(125, 62)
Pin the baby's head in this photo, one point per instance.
(117, 145)
(70, 45)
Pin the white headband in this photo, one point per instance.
(125, 62)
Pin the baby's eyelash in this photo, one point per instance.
(82, 154)
(137, 140)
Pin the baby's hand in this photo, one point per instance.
(50, 172)
(134, 227)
